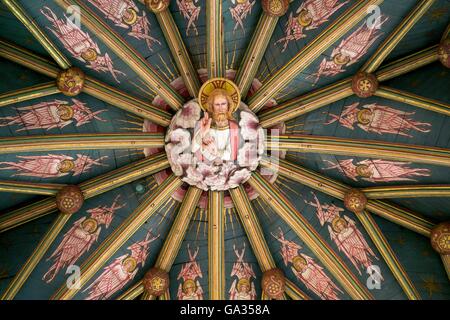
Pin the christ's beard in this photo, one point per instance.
(220, 117)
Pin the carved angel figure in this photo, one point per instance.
(379, 119)
(310, 15)
(350, 50)
(79, 44)
(378, 170)
(79, 239)
(240, 11)
(50, 115)
(52, 165)
(190, 12)
(242, 288)
(345, 234)
(307, 270)
(121, 271)
(125, 14)
(190, 289)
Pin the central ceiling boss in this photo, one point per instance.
(215, 142)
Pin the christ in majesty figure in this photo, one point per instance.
(216, 136)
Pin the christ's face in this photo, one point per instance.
(220, 108)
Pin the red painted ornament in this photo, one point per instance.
(364, 84)
(156, 281)
(69, 199)
(273, 283)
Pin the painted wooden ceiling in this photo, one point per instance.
(318, 110)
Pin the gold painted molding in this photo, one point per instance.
(216, 245)
(33, 92)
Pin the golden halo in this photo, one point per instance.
(219, 83)
(341, 59)
(304, 18)
(241, 1)
(363, 170)
(132, 20)
(335, 221)
(189, 283)
(65, 112)
(242, 282)
(133, 263)
(66, 166)
(361, 115)
(89, 55)
(297, 259)
(90, 221)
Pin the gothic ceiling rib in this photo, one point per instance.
(172, 243)
(255, 51)
(177, 47)
(30, 93)
(216, 250)
(408, 191)
(214, 34)
(363, 148)
(295, 172)
(256, 237)
(375, 61)
(81, 142)
(168, 18)
(40, 36)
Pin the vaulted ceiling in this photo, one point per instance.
(354, 95)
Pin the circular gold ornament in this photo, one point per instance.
(89, 55)
(440, 238)
(65, 112)
(156, 281)
(355, 200)
(275, 8)
(66, 166)
(341, 59)
(365, 116)
(444, 52)
(273, 283)
(69, 199)
(363, 170)
(189, 284)
(364, 84)
(304, 18)
(130, 264)
(214, 84)
(90, 225)
(133, 16)
(71, 81)
(157, 5)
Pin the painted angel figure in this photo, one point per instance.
(52, 165)
(345, 234)
(378, 170)
(310, 15)
(121, 271)
(307, 270)
(190, 12)
(240, 11)
(191, 288)
(79, 44)
(242, 288)
(50, 115)
(350, 50)
(79, 239)
(125, 14)
(379, 119)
